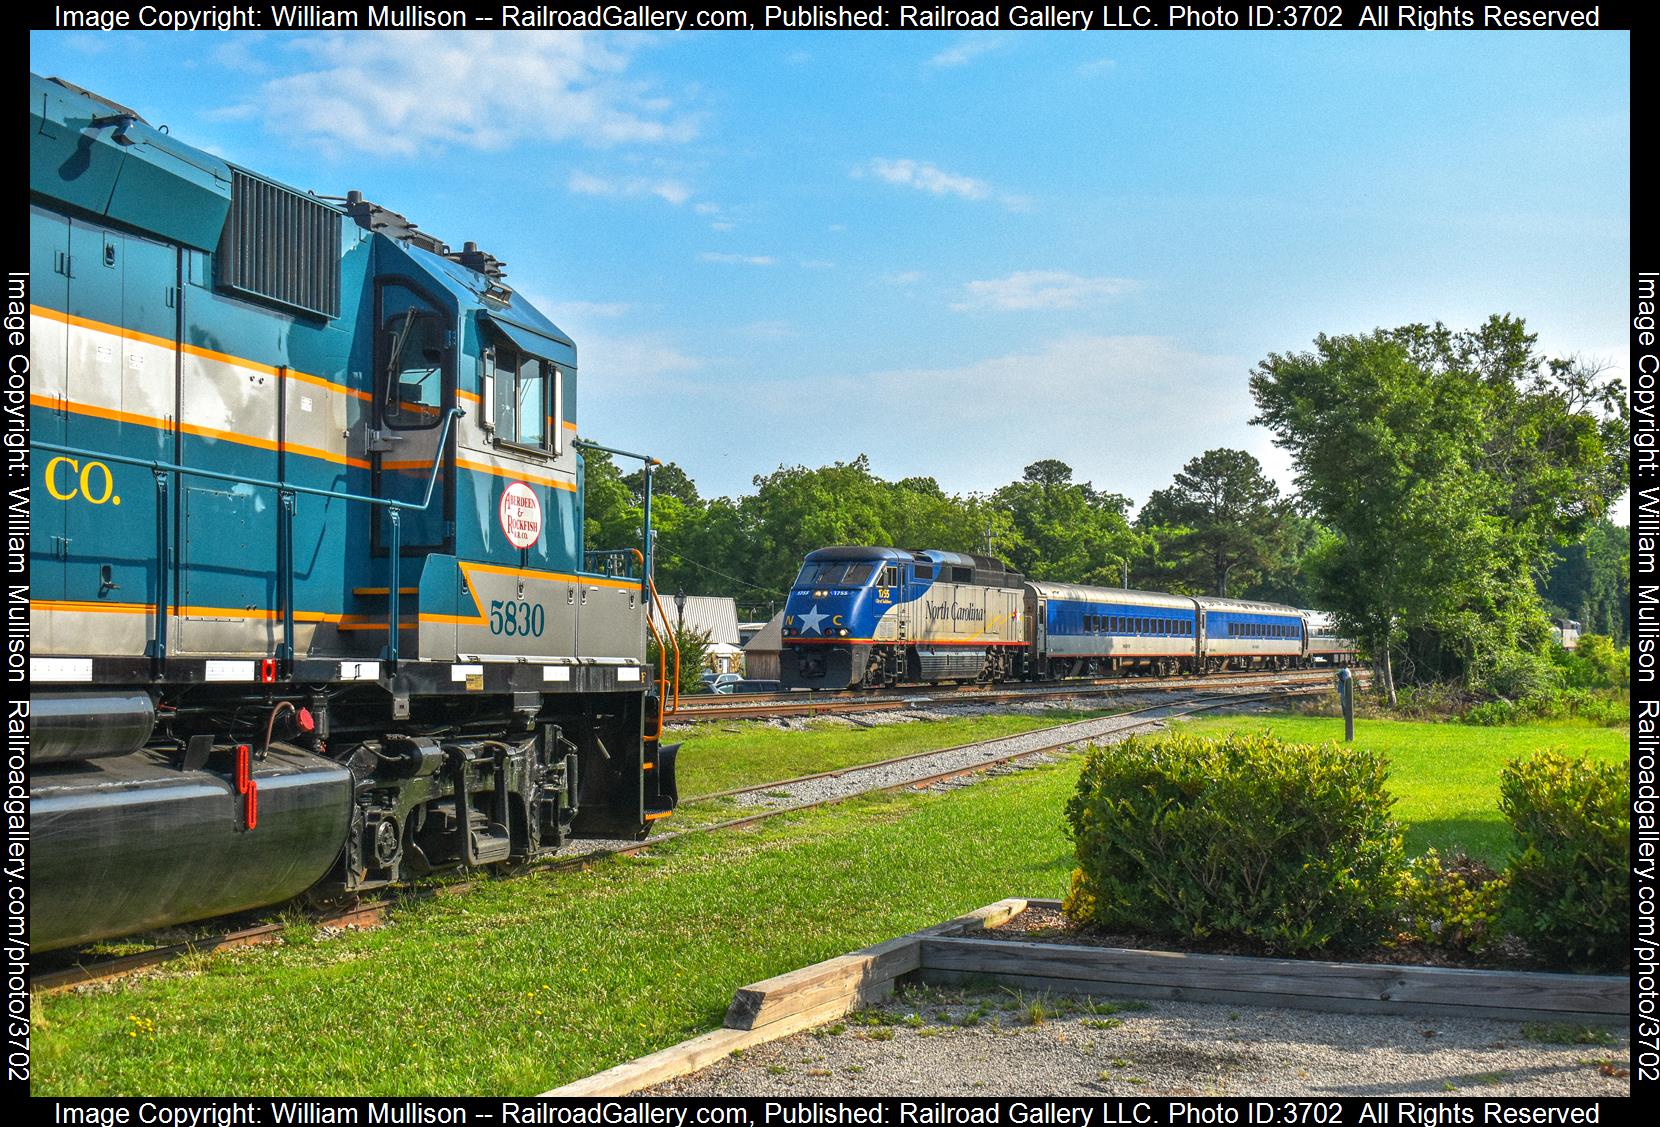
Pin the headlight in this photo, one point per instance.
(820, 594)
(843, 633)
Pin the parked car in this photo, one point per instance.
(743, 685)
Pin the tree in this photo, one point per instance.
(1590, 580)
(1221, 522)
(694, 656)
(1063, 530)
(1446, 465)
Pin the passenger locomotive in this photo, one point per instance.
(882, 616)
(310, 605)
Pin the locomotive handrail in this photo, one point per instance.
(286, 490)
(281, 486)
(674, 639)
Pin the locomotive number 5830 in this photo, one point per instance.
(516, 620)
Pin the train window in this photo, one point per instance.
(521, 394)
(857, 574)
(414, 343)
(962, 575)
(825, 573)
(890, 576)
(923, 570)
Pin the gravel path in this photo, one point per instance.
(857, 780)
(943, 1041)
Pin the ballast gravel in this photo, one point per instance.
(937, 1042)
(855, 780)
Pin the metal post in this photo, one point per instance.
(645, 532)
(164, 570)
(1346, 694)
(285, 575)
(393, 537)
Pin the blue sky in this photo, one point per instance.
(955, 252)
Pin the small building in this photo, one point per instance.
(761, 652)
(714, 617)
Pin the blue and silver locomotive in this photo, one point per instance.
(879, 616)
(882, 616)
(310, 603)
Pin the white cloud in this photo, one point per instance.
(408, 93)
(1096, 66)
(722, 225)
(925, 177)
(967, 49)
(588, 184)
(740, 259)
(1041, 289)
(903, 278)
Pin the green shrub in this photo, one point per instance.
(1515, 674)
(1451, 904)
(1285, 847)
(1595, 663)
(1570, 866)
(1602, 707)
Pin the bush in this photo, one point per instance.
(1570, 868)
(1452, 905)
(1599, 707)
(1516, 674)
(1284, 847)
(1596, 663)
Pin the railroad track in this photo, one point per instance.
(705, 708)
(784, 796)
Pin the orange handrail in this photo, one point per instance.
(674, 638)
(662, 675)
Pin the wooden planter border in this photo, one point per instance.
(788, 1003)
(774, 1008)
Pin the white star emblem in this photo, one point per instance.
(810, 620)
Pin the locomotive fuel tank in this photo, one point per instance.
(70, 726)
(121, 845)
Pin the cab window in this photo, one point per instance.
(817, 573)
(521, 394)
(414, 346)
(890, 577)
(857, 574)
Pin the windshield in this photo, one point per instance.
(835, 573)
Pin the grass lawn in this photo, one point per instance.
(531, 982)
(1446, 776)
(720, 756)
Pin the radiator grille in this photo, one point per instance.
(281, 246)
